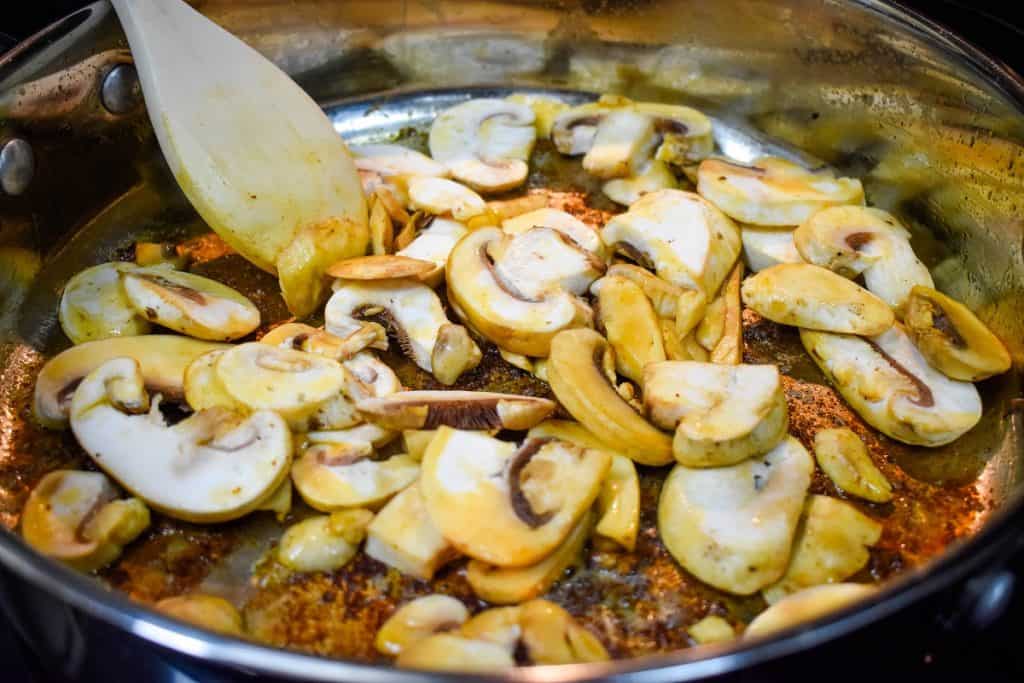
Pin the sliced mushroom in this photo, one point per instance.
(651, 176)
(953, 340)
(435, 244)
(416, 442)
(412, 310)
(517, 497)
(75, 517)
(162, 359)
(211, 467)
(623, 141)
(551, 636)
(767, 247)
(301, 337)
(324, 543)
(203, 388)
(891, 385)
(207, 611)
(454, 353)
(383, 267)
(513, 585)
(576, 371)
(480, 410)
(630, 324)
(506, 209)
(498, 625)
(712, 629)
(485, 143)
(450, 652)
(292, 383)
(728, 350)
(773, 191)
(807, 605)
(844, 458)
(619, 501)
(403, 536)
(500, 312)
(94, 306)
(334, 476)
(567, 224)
(573, 131)
(831, 545)
(815, 298)
(722, 414)
(382, 230)
(685, 239)
(691, 306)
(391, 160)
(364, 433)
(545, 110)
(443, 197)
(664, 295)
(733, 527)
(190, 304)
(517, 360)
(858, 240)
(419, 619)
(542, 261)
(161, 254)
(279, 502)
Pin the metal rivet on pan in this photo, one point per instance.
(17, 166)
(121, 92)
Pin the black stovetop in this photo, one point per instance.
(983, 643)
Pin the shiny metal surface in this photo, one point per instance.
(17, 166)
(121, 91)
(932, 126)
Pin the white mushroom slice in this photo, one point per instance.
(733, 527)
(485, 142)
(94, 306)
(683, 238)
(203, 388)
(211, 467)
(323, 543)
(663, 294)
(686, 134)
(624, 140)
(75, 517)
(815, 298)
(831, 545)
(292, 383)
(403, 536)
(545, 110)
(364, 433)
(434, 244)
(334, 476)
(565, 223)
(369, 377)
(844, 458)
(550, 635)
(517, 497)
(381, 267)
(480, 410)
(279, 501)
(417, 620)
(651, 176)
(389, 160)
(301, 337)
(712, 629)
(162, 359)
(722, 414)
(499, 311)
(441, 196)
(449, 652)
(412, 310)
(541, 261)
(807, 605)
(190, 304)
(891, 385)
(767, 247)
(773, 191)
(573, 131)
(630, 324)
(207, 611)
(858, 240)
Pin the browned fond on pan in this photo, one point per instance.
(637, 602)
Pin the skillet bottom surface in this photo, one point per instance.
(638, 603)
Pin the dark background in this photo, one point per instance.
(989, 654)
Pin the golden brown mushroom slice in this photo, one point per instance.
(77, 518)
(381, 267)
(324, 543)
(844, 458)
(630, 323)
(335, 476)
(403, 536)
(93, 306)
(458, 409)
(419, 619)
(953, 340)
(208, 611)
(517, 497)
(807, 605)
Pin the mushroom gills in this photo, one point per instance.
(891, 385)
(403, 536)
(517, 496)
(733, 527)
(93, 306)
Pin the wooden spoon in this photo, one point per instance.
(255, 155)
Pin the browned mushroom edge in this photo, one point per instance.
(520, 504)
(924, 398)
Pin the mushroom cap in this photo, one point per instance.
(389, 160)
(567, 224)
(413, 311)
(517, 498)
(332, 477)
(767, 247)
(733, 527)
(503, 315)
(94, 306)
(815, 298)
(213, 466)
(773, 191)
(892, 386)
(190, 304)
(458, 409)
(162, 359)
(686, 239)
(807, 605)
